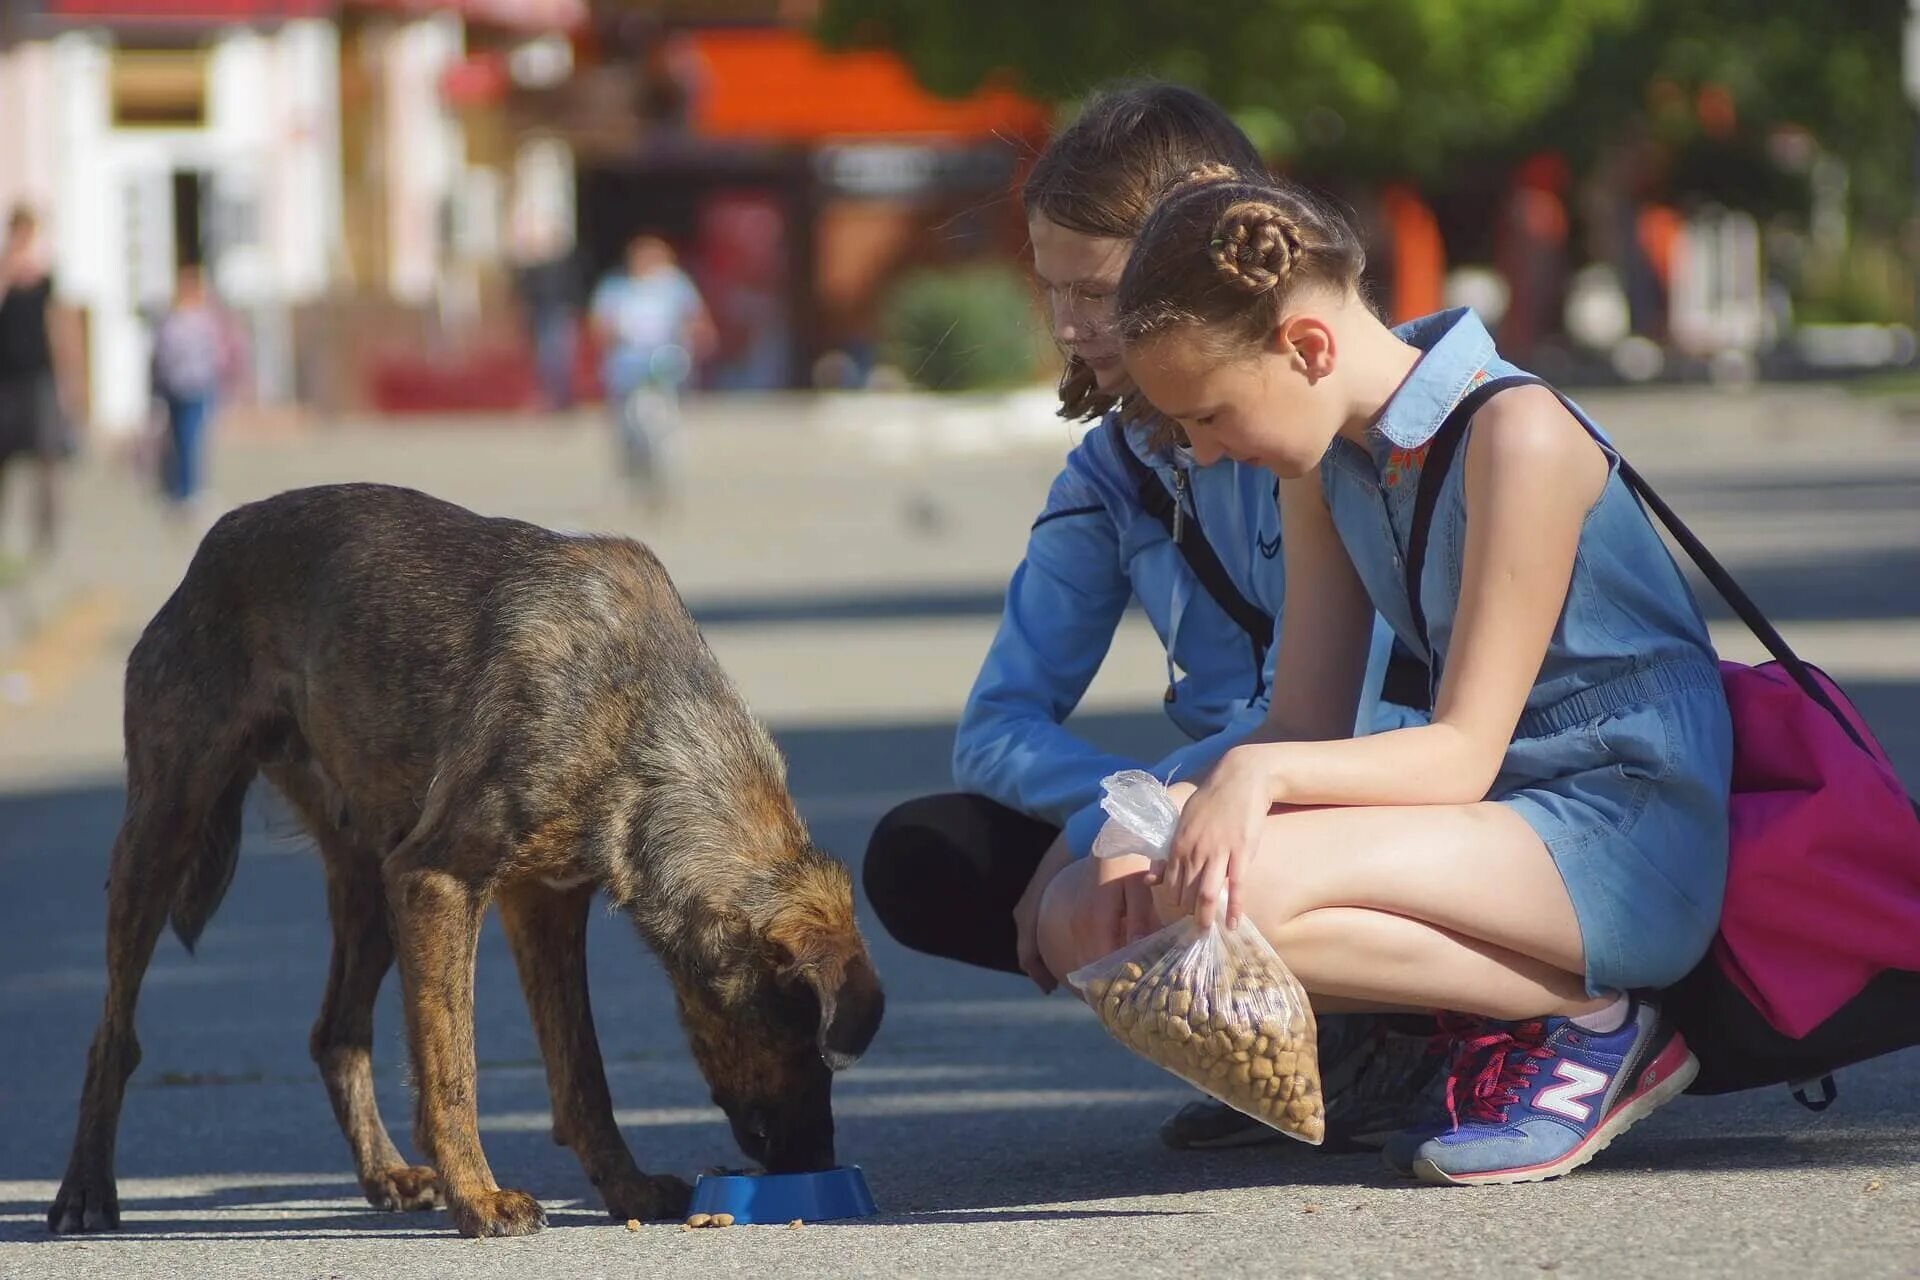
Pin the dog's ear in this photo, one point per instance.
(813, 929)
(850, 1010)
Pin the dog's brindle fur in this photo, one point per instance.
(462, 711)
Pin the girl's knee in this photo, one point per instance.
(1064, 909)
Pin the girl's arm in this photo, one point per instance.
(1326, 625)
(1532, 474)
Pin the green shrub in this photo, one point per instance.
(1868, 283)
(969, 328)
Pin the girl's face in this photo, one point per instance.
(1266, 406)
(1080, 274)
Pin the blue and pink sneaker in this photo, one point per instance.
(1535, 1100)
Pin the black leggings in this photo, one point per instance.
(944, 873)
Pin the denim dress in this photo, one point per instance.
(1622, 756)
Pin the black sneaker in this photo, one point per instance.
(1395, 1089)
(1209, 1125)
(1348, 1042)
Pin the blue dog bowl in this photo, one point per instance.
(781, 1197)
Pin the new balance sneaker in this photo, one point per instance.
(1538, 1099)
(1348, 1042)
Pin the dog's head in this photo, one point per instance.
(799, 1003)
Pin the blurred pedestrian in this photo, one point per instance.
(196, 358)
(33, 366)
(651, 323)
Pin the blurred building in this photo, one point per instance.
(309, 153)
(360, 177)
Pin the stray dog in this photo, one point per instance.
(465, 710)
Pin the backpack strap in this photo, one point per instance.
(1433, 475)
(1197, 551)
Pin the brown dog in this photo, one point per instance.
(462, 711)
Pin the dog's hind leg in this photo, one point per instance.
(435, 914)
(342, 1041)
(547, 930)
(182, 827)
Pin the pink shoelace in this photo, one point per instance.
(1490, 1068)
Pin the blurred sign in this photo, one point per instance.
(888, 169)
(159, 88)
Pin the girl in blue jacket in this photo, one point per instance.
(962, 875)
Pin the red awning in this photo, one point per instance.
(198, 12)
(780, 84)
(534, 15)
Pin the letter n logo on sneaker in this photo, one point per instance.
(1567, 1099)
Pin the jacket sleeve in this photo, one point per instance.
(1372, 716)
(1062, 606)
(1183, 762)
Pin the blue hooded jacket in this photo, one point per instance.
(1092, 550)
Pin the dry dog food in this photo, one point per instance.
(1220, 1011)
(1214, 1006)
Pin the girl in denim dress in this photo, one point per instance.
(1552, 847)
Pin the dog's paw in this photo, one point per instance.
(499, 1213)
(85, 1204)
(650, 1198)
(403, 1187)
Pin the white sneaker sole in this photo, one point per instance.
(1597, 1141)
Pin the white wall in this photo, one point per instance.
(424, 151)
(27, 141)
(271, 147)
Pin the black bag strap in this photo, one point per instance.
(1440, 454)
(1433, 475)
(1197, 551)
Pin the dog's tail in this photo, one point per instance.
(215, 854)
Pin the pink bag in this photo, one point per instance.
(1823, 889)
(1817, 961)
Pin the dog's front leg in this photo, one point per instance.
(436, 928)
(547, 930)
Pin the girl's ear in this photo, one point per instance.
(1307, 341)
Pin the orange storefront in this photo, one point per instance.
(799, 182)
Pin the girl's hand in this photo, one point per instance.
(1026, 916)
(1221, 823)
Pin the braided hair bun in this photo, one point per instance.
(1255, 246)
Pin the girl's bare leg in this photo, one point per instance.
(1447, 907)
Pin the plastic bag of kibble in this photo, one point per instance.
(1214, 1006)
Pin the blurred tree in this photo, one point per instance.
(1417, 88)
(1396, 87)
(1714, 79)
